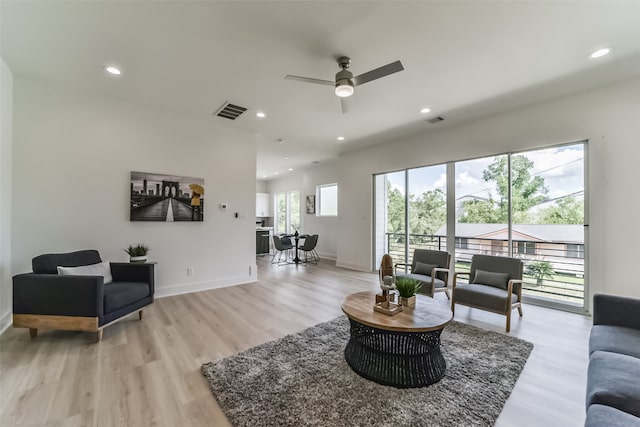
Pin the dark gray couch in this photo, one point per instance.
(45, 300)
(613, 381)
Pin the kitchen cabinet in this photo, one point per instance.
(262, 241)
(263, 205)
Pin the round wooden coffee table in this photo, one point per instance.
(402, 350)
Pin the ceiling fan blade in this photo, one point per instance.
(345, 105)
(310, 80)
(383, 71)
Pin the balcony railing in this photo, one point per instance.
(564, 262)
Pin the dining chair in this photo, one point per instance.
(282, 246)
(309, 248)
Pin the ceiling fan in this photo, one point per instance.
(345, 82)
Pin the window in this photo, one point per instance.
(497, 201)
(281, 213)
(287, 212)
(327, 196)
(462, 243)
(525, 248)
(575, 251)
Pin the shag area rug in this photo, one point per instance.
(303, 379)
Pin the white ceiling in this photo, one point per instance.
(465, 60)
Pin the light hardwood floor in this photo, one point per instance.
(148, 373)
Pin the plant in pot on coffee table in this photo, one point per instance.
(407, 289)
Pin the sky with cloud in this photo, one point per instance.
(561, 167)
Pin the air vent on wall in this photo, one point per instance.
(230, 111)
(436, 119)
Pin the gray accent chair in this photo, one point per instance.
(495, 284)
(429, 267)
(46, 300)
(613, 389)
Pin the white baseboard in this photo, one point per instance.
(187, 288)
(331, 257)
(353, 266)
(5, 322)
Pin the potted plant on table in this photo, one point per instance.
(407, 289)
(137, 252)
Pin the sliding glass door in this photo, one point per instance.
(548, 235)
(411, 219)
(528, 205)
(481, 209)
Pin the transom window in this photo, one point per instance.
(327, 200)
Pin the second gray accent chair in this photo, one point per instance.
(429, 267)
(495, 284)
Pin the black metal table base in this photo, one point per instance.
(398, 359)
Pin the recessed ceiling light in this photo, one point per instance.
(276, 173)
(286, 157)
(425, 110)
(290, 169)
(264, 176)
(261, 115)
(600, 53)
(340, 138)
(112, 70)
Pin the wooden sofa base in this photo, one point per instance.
(64, 323)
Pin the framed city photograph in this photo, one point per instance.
(311, 204)
(167, 198)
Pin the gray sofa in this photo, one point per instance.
(613, 384)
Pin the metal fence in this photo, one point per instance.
(553, 270)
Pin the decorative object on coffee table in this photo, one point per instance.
(407, 289)
(385, 273)
(137, 252)
(401, 351)
(387, 304)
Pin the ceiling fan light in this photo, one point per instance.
(344, 88)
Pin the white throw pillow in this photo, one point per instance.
(100, 269)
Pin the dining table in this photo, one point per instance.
(296, 237)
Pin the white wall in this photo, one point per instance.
(306, 182)
(6, 144)
(73, 153)
(262, 187)
(608, 117)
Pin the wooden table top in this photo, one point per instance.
(427, 315)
